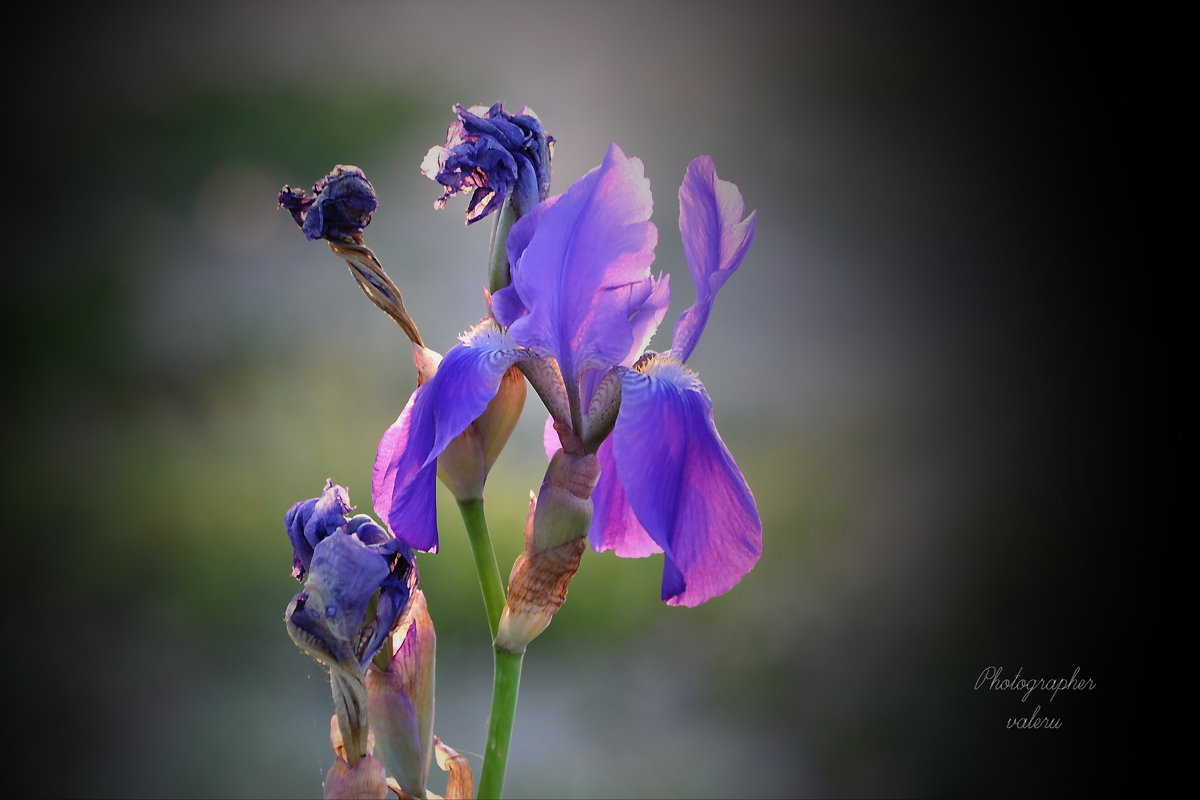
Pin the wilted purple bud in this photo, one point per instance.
(341, 205)
(358, 578)
(310, 521)
(492, 154)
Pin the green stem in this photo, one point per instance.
(500, 724)
(485, 561)
(498, 274)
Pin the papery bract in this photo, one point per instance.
(401, 699)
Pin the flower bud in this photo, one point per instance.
(564, 506)
(339, 208)
(400, 700)
(492, 155)
(341, 205)
(497, 422)
(537, 587)
(461, 466)
(365, 779)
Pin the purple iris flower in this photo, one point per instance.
(492, 154)
(580, 310)
(341, 204)
(345, 562)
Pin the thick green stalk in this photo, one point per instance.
(500, 724)
(485, 561)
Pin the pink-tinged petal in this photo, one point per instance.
(683, 484)
(576, 276)
(614, 525)
(550, 438)
(715, 239)
(404, 493)
(403, 483)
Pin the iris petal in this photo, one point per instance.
(403, 483)
(466, 381)
(404, 492)
(576, 272)
(350, 573)
(683, 484)
(614, 525)
(310, 521)
(647, 307)
(507, 305)
(715, 239)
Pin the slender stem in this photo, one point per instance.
(507, 677)
(498, 274)
(485, 561)
(500, 723)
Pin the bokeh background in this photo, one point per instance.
(928, 369)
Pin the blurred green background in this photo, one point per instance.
(927, 369)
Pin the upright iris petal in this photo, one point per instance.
(492, 154)
(583, 274)
(715, 239)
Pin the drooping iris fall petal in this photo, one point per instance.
(614, 524)
(404, 480)
(682, 483)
